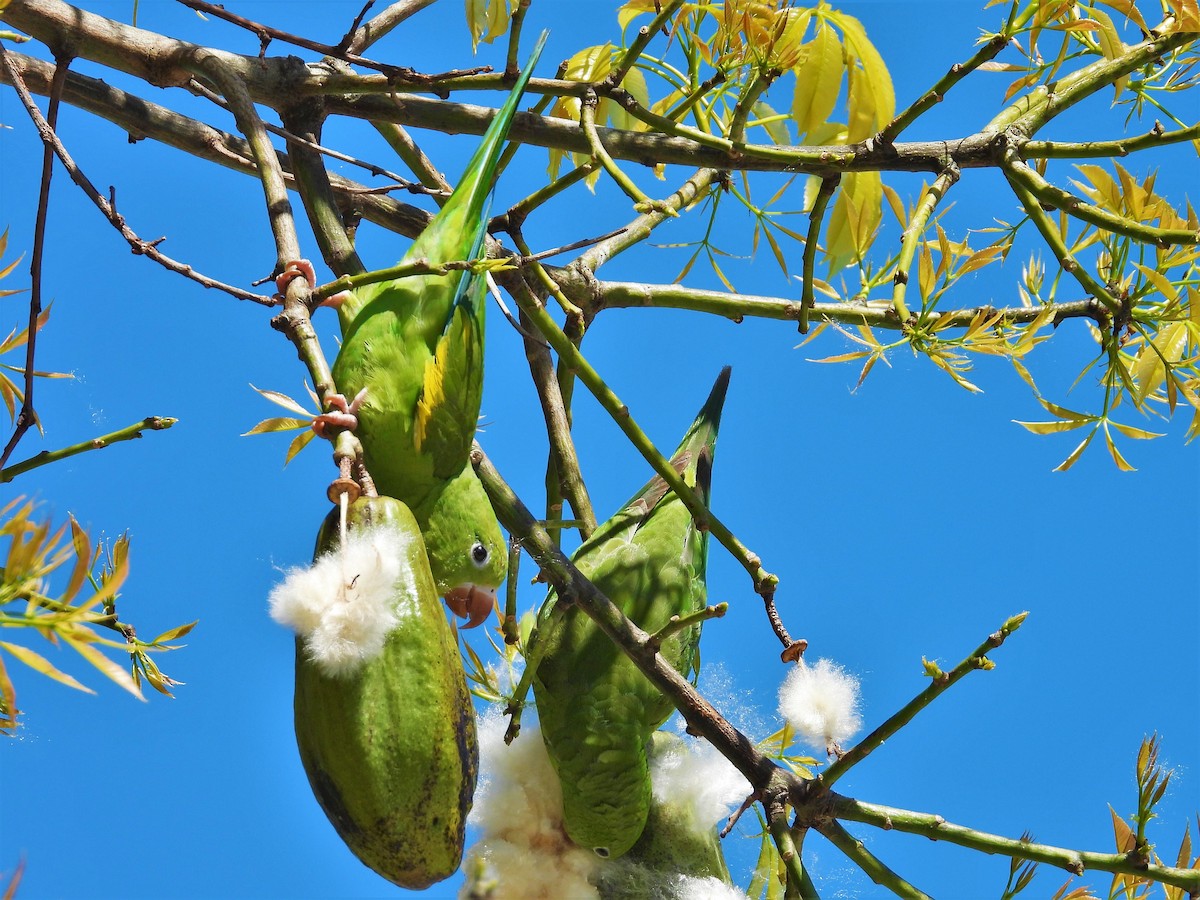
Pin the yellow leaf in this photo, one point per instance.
(299, 442)
(1149, 371)
(487, 20)
(39, 663)
(871, 99)
(818, 80)
(102, 662)
(1187, 14)
(1116, 454)
(1160, 281)
(270, 426)
(175, 633)
(83, 559)
(1127, 9)
(1140, 434)
(1125, 838)
(283, 400)
(1049, 427)
(1076, 453)
(896, 204)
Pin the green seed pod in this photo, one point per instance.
(389, 746)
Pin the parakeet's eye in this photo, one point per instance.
(601, 852)
(480, 554)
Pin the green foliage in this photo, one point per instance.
(69, 615)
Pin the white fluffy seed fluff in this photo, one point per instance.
(343, 605)
(694, 773)
(821, 702)
(523, 851)
(518, 809)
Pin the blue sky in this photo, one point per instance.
(905, 519)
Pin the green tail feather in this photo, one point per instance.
(458, 230)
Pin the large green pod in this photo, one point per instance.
(390, 748)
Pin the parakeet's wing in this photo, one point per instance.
(597, 710)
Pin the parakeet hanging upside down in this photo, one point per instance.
(412, 352)
(597, 710)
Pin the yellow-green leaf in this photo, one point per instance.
(1076, 453)
(103, 663)
(39, 663)
(284, 400)
(175, 633)
(283, 423)
(299, 442)
(1050, 427)
(818, 80)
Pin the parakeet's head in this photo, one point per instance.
(467, 552)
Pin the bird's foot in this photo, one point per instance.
(303, 268)
(344, 414)
(472, 603)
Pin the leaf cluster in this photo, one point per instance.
(72, 614)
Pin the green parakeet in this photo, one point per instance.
(597, 710)
(415, 346)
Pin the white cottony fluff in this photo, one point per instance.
(523, 852)
(343, 605)
(821, 702)
(518, 807)
(695, 773)
(688, 888)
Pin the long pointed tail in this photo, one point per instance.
(701, 439)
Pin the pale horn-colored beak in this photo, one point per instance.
(473, 603)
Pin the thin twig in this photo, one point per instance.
(139, 246)
(876, 314)
(568, 478)
(28, 416)
(401, 183)
(858, 853)
(380, 25)
(128, 433)
(266, 34)
(942, 681)
(934, 95)
(1075, 861)
(911, 239)
(811, 244)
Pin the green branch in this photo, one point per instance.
(677, 623)
(876, 314)
(942, 681)
(587, 121)
(128, 433)
(1054, 196)
(764, 581)
(762, 773)
(930, 198)
(1054, 239)
(1041, 105)
(1155, 137)
(935, 94)
(645, 34)
(811, 245)
(1077, 862)
(858, 853)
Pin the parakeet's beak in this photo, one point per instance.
(472, 603)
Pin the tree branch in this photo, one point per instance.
(128, 433)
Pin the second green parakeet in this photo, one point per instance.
(597, 711)
(412, 356)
